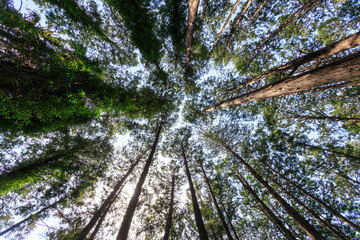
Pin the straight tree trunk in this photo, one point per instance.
(193, 8)
(102, 211)
(329, 150)
(98, 225)
(198, 218)
(229, 220)
(325, 118)
(171, 209)
(256, 12)
(328, 51)
(221, 216)
(265, 208)
(346, 69)
(126, 223)
(304, 224)
(16, 225)
(320, 202)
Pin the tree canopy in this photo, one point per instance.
(144, 119)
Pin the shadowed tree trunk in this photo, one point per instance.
(193, 8)
(171, 209)
(346, 69)
(305, 225)
(265, 208)
(198, 218)
(320, 202)
(221, 216)
(102, 211)
(229, 220)
(126, 223)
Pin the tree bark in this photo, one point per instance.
(98, 225)
(320, 202)
(126, 223)
(193, 8)
(346, 69)
(171, 209)
(229, 220)
(265, 208)
(107, 203)
(330, 50)
(221, 216)
(304, 224)
(198, 218)
(325, 118)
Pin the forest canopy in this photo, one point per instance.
(149, 119)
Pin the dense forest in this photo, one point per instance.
(180, 119)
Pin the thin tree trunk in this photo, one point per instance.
(171, 209)
(126, 223)
(265, 208)
(16, 225)
(346, 69)
(335, 233)
(330, 50)
(221, 216)
(328, 150)
(198, 218)
(320, 202)
(107, 203)
(224, 26)
(238, 20)
(256, 12)
(229, 220)
(325, 118)
(193, 8)
(305, 225)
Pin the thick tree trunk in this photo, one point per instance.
(171, 209)
(102, 211)
(198, 218)
(193, 8)
(221, 216)
(98, 225)
(13, 227)
(305, 225)
(265, 208)
(346, 69)
(320, 202)
(126, 223)
(330, 50)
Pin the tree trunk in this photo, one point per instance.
(229, 220)
(221, 216)
(256, 12)
(198, 218)
(98, 225)
(326, 118)
(265, 208)
(126, 223)
(346, 69)
(30, 217)
(171, 209)
(193, 8)
(320, 202)
(305, 225)
(328, 51)
(329, 150)
(102, 211)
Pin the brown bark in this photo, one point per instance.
(198, 218)
(98, 225)
(256, 12)
(346, 69)
(335, 233)
(102, 211)
(330, 50)
(221, 216)
(16, 225)
(326, 118)
(223, 28)
(320, 202)
(126, 223)
(304, 224)
(229, 220)
(193, 8)
(265, 208)
(171, 209)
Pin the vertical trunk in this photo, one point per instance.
(265, 208)
(221, 216)
(193, 8)
(98, 225)
(320, 202)
(107, 203)
(171, 209)
(13, 227)
(198, 218)
(229, 220)
(335, 233)
(305, 225)
(345, 69)
(126, 223)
